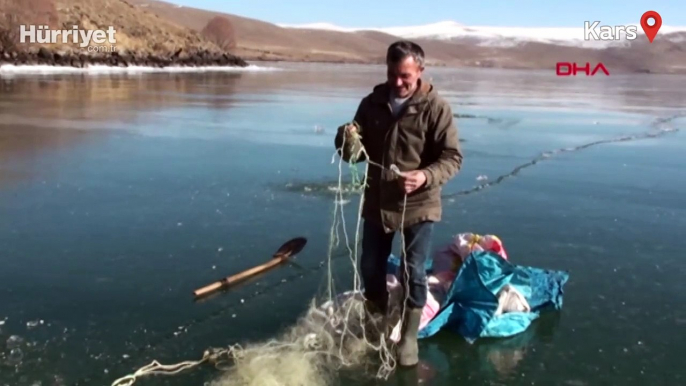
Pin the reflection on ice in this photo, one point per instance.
(9, 70)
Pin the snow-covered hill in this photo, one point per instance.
(497, 36)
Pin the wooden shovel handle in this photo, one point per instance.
(288, 249)
(238, 277)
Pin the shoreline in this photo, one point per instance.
(46, 57)
(44, 60)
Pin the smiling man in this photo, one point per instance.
(402, 122)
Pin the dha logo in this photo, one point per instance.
(41, 34)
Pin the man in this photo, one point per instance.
(402, 122)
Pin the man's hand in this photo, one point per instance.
(349, 130)
(352, 133)
(411, 181)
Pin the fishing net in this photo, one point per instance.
(336, 332)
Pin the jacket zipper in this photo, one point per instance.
(393, 128)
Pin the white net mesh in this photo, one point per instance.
(336, 331)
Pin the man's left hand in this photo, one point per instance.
(411, 181)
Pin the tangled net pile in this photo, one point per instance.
(331, 335)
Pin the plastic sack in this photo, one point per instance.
(451, 256)
(511, 300)
(466, 243)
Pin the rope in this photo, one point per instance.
(214, 355)
(156, 368)
(385, 352)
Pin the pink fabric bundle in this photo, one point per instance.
(446, 263)
(466, 243)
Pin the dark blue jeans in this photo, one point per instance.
(377, 246)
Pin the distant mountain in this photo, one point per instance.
(500, 36)
(446, 43)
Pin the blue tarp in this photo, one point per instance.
(470, 304)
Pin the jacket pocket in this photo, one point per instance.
(411, 141)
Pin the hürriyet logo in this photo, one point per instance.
(84, 38)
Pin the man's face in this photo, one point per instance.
(403, 76)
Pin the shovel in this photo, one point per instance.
(289, 249)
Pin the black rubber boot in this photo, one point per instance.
(408, 349)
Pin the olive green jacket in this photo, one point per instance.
(422, 137)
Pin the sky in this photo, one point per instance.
(505, 13)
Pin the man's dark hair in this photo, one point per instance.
(401, 49)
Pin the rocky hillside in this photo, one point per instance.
(259, 40)
(158, 33)
(142, 38)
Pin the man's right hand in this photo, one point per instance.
(350, 129)
(349, 140)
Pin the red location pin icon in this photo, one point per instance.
(651, 30)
